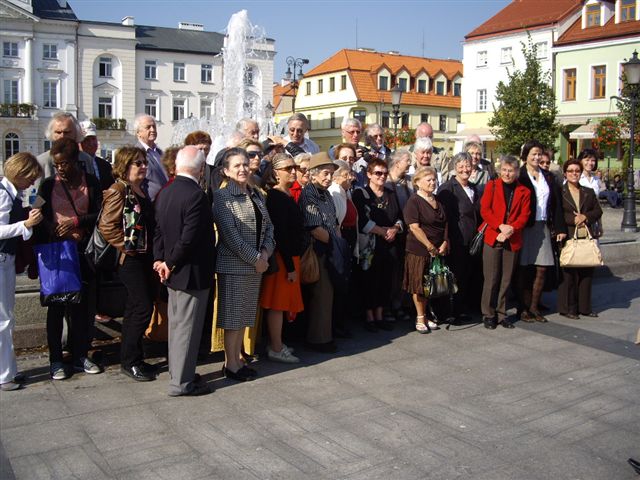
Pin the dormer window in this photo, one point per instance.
(422, 86)
(593, 15)
(403, 84)
(627, 10)
(383, 82)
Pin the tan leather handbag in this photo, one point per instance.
(581, 252)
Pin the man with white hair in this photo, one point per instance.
(64, 125)
(249, 128)
(374, 135)
(297, 127)
(184, 253)
(147, 133)
(351, 129)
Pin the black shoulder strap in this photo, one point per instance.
(66, 192)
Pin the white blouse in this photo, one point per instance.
(590, 182)
(542, 196)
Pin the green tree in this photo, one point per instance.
(628, 92)
(526, 106)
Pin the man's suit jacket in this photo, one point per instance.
(104, 172)
(157, 176)
(184, 236)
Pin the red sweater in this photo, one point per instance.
(493, 206)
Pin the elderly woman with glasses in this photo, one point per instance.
(128, 223)
(302, 174)
(379, 215)
(581, 211)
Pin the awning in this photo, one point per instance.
(484, 134)
(583, 132)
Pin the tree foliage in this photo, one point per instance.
(526, 106)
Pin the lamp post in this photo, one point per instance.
(631, 71)
(396, 98)
(294, 74)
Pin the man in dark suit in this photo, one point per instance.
(184, 253)
(89, 145)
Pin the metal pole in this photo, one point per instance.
(629, 223)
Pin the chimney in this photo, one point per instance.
(129, 21)
(198, 27)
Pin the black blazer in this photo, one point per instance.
(44, 232)
(589, 207)
(555, 218)
(104, 170)
(184, 236)
(463, 215)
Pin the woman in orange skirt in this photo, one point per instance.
(281, 290)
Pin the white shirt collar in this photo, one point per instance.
(188, 176)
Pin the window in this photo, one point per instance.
(105, 107)
(308, 88)
(50, 94)
(440, 87)
(343, 82)
(383, 82)
(593, 15)
(457, 89)
(482, 59)
(422, 86)
(11, 144)
(178, 109)
(178, 72)
(360, 115)
(50, 51)
(205, 109)
(104, 67)
(150, 70)
(332, 120)
(506, 55)
(320, 86)
(151, 107)
(569, 84)
(482, 100)
(403, 84)
(405, 119)
(443, 123)
(206, 73)
(309, 120)
(332, 84)
(249, 76)
(599, 75)
(10, 91)
(424, 118)
(385, 119)
(627, 10)
(542, 50)
(9, 49)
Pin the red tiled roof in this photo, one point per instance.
(363, 67)
(525, 14)
(280, 91)
(576, 34)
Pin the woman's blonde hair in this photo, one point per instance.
(422, 172)
(22, 165)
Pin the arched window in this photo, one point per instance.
(11, 144)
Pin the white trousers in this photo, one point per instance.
(8, 366)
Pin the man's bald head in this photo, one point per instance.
(424, 130)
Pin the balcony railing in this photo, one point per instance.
(17, 110)
(110, 123)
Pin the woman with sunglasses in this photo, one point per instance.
(128, 223)
(254, 152)
(581, 212)
(379, 214)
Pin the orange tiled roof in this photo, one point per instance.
(280, 91)
(525, 14)
(611, 29)
(363, 67)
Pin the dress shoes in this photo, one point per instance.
(20, 378)
(590, 314)
(197, 390)
(11, 386)
(149, 368)
(490, 322)
(240, 376)
(507, 324)
(138, 373)
(527, 316)
(571, 316)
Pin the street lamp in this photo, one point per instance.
(631, 71)
(294, 74)
(396, 98)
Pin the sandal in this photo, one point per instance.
(421, 327)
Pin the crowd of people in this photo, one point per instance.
(281, 231)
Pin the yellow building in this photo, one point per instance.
(358, 83)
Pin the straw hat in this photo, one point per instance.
(321, 159)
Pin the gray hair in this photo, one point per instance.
(347, 121)
(423, 144)
(138, 118)
(243, 122)
(299, 116)
(397, 157)
(234, 139)
(301, 157)
(342, 167)
(189, 159)
(471, 144)
(510, 160)
(60, 117)
(373, 126)
(461, 157)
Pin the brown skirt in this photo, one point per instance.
(414, 268)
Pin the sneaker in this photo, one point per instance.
(283, 356)
(87, 366)
(57, 371)
(291, 349)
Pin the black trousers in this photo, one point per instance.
(574, 292)
(136, 273)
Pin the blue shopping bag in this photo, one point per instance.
(59, 270)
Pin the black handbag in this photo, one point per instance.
(99, 253)
(439, 280)
(475, 247)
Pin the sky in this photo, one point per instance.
(318, 29)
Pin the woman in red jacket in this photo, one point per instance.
(505, 209)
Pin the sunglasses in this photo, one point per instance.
(574, 170)
(289, 168)
(253, 154)
(302, 170)
(139, 163)
(378, 173)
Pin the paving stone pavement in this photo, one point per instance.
(542, 401)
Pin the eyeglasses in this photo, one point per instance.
(289, 168)
(378, 173)
(302, 170)
(59, 165)
(253, 154)
(353, 132)
(139, 163)
(574, 170)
